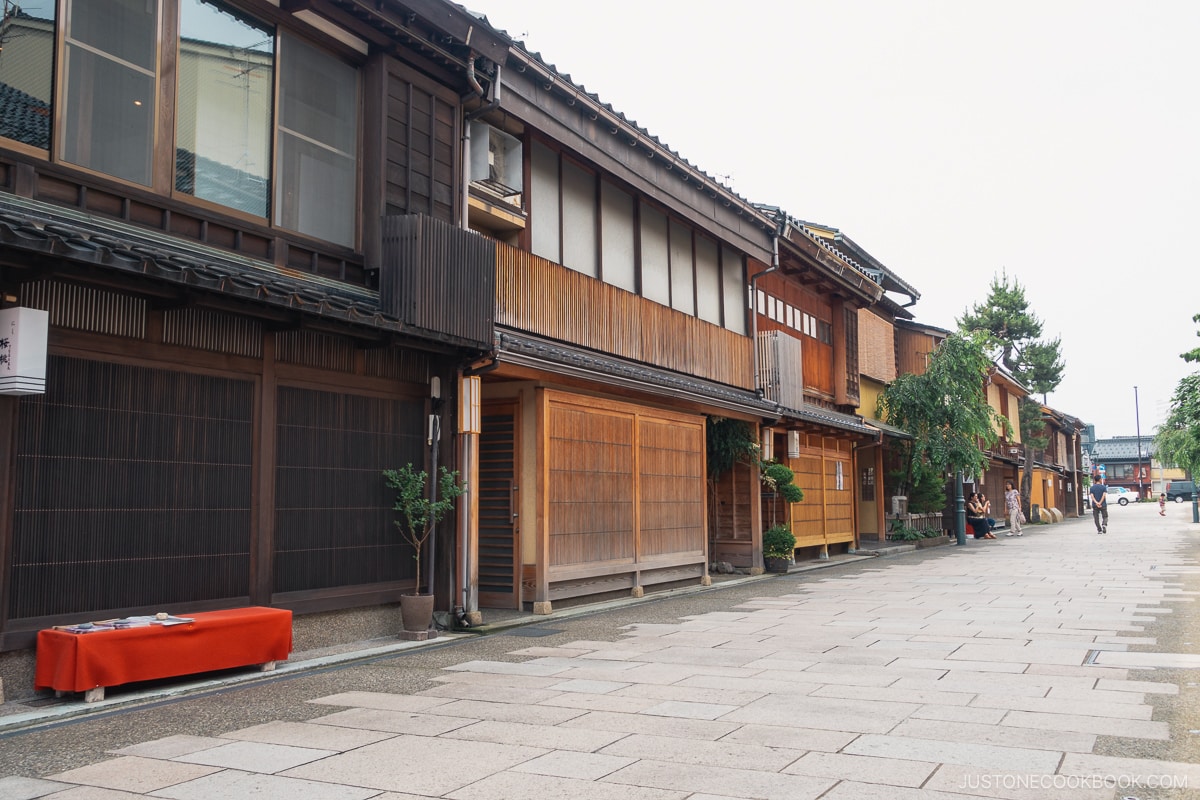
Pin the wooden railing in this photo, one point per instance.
(541, 297)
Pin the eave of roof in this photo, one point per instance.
(38, 228)
(858, 255)
(922, 327)
(523, 349)
(890, 430)
(831, 419)
(637, 136)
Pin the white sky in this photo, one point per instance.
(1055, 140)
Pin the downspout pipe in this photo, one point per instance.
(781, 227)
(491, 105)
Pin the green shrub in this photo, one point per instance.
(778, 542)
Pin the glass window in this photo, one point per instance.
(316, 185)
(223, 107)
(26, 71)
(111, 50)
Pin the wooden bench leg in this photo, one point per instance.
(267, 667)
(94, 695)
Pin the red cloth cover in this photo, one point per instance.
(76, 662)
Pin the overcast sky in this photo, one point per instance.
(952, 140)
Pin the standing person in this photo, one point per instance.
(1012, 509)
(1100, 505)
(1162, 504)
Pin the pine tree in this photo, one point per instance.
(1014, 333)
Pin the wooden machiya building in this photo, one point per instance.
(283, 246)
(621, 327)
(806, 306)
(196, 195)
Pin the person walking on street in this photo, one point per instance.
(1100, 505)
(1162, 504)
(1012, 508)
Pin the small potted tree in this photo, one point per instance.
(417, 514)
(779, 545)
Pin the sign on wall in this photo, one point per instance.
(23, 337)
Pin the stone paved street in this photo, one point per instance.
(1061, 664)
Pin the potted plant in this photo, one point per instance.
(779, 546)
(417, 514)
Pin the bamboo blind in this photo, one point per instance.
(333, 517)
(138, 496)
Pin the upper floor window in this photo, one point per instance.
(223, 107)
(317, 165)
(585, 222)
(110, 65)
(231, 75)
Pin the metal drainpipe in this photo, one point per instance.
(464, 522)
(782, 223)
(493, 104)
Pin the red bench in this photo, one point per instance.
(88, 662)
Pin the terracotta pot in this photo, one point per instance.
(416, 611)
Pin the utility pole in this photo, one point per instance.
(1138, 420)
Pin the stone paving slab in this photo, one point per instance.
(937, 678)
(234, 784)
(134, 774)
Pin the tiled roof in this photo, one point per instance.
(1122, 448)
(638, 134)
(24, 118)
(521, 348)
(40, 228)
(833, 419)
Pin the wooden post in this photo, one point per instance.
(541, 594)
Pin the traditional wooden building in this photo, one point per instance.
(283, 246)
(807, 306)
(621, 325)
(878, 366)
(1006, 456)
(1125, 461)
(1057, 472)
(196, 194)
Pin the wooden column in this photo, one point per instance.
(541, 592)
(262, 494)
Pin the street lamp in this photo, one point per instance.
(1138, 420)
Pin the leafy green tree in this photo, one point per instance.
(417, 513)
(1193, 355)
(945, 409)
(1014, 334)
(1178, 439)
